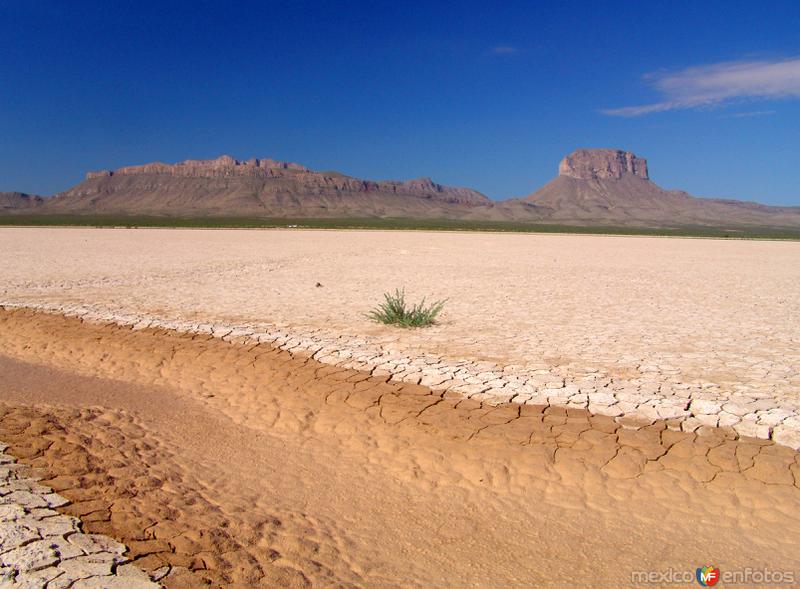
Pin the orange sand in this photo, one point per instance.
(247, 466)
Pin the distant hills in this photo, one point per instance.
(15, 201)
(257, 187)
(606, 186)
(594, 187)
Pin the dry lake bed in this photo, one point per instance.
(587, 409)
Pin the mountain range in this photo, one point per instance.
(593, 187)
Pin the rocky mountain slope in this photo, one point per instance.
(225, 186)
(594, 187)
(19, 201)
(607, 186)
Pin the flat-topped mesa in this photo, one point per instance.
(269, 176)
(594, 164)
(222, 166)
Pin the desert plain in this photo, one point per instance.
(586, 409)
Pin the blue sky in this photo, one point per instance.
(478, 94)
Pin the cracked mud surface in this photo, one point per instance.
(40, 547)
(722, 311)
(702, 332)
(242, 465)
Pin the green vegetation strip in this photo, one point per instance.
(43, 220)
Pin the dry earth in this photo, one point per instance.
(40, 547)
(704, 332)
(716, 310)
(245, 466)
(242, 464)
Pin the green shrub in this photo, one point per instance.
(395, 311)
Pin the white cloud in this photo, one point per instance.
(753, 113)
(715, 84)
(504, 50)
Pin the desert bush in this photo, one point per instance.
(395, 311)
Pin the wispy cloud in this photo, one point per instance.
(503, 50)
(753, 113)
(718, 83)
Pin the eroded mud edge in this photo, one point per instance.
(632, 402)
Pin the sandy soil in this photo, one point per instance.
(248, 466)
(721, 311)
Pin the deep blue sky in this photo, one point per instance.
(480, 94)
